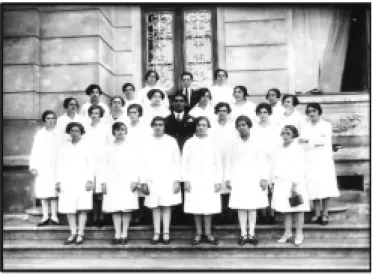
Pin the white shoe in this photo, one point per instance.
(284, 238)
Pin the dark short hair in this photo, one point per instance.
(138, 107)
(152, 71)
(117, 125)
(245, 119)
(277, 93)
(220, 105)
(67, 101)
(294, 99)
(157, 118)
(128, 85)
(293, 129)
(151, 93)
(202, 92)
(314, 106)
(200, 118)
(218, 70)
(46, 113)
(266, 106)
(75, 124)
(243, 89)
(121, 100)
(179, 95)
(91, 87)
(96, 107)
(187, 73)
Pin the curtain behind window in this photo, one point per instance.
(319, 43)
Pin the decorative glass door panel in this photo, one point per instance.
(198, 46)
(160, 46)
(179, 40)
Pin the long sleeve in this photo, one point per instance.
(218, 176)
(230, 158)
(35, 152)
(176, 161)
(185, 161)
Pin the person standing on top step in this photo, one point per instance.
(273, 97)
(221, 91)
(119, 176)
(187, 90)
(161, 175)
(94, 92)
(202, 174)
(288, 178)
(247, 174)
(321, 182)
(75, 182)
(43, 163)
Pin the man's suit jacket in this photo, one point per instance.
(193, 98)
(180, 130)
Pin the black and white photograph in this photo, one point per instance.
(186, 137)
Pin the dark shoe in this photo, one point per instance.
(79, 239)
(252, 240)
(211, 239)
(155, 239)
(123, 241)
(324, 220)
(272, 220)
(316, 219)
(167, 240)
(197, 240)
(54, 222)
(115, 241)
(71, 239)
(242, 240)
(43, 223)
(100, 223)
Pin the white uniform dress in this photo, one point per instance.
(73, 172)
(161, 167)
(202, 167)
(84, 109)
(119, 169)
(246, 167)
(43, 158)
(296, 119)
(320, 172)
(97, 137)
(225, 136)
(289, 166)
(221, 94)
(208, 112)
(149, 112)
(247, 109)
(277, 112)
(64, 120)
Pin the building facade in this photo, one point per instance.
(51, 52)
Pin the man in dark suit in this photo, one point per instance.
(180, 125)
(190, 93)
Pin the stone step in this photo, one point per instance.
(339, 231)
(190, 263)
(182, 248)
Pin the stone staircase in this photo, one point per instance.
(341, 245)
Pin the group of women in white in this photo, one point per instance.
(238, 148)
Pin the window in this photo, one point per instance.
(180, 39)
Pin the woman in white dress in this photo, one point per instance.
(247, 179)
(321, 182)
(152, 82)
(71, 106)
(156, 107)
(201, 172)
(161, 175)
(203, 106)
(118, 113)
(273, 96)
(43, 162)
(288, 176)
(224, 133)
(267, 135)
(221, 91)
(241, 105)
(75, 182)
(97, 136)
(130, 95)
(291, 115)
(138, 133)
(94, 92)
(119, 180)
